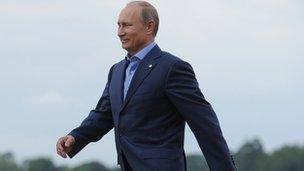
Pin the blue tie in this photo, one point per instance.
(134, 61)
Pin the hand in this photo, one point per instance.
(65, 145)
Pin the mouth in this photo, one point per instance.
(124, 40)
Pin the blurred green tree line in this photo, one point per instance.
(250, 157)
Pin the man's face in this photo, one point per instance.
(131, 30)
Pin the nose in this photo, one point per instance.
(120, 32)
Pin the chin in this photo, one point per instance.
(125, 45)
(126, 48)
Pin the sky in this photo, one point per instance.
(55, 57)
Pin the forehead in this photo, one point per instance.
(129, 13)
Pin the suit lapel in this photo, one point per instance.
(144, 68)
(119, 82)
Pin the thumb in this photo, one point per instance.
(69, 142)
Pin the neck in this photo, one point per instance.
(131, 53)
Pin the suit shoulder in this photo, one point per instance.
(169, 57)
(172, 59)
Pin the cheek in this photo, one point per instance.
(133, 32)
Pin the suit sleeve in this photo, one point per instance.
(98, 123)
(183, 91)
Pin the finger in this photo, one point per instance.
(59, 151)
(63, 140)
(62, 154)
(59, 145)
(69, 142)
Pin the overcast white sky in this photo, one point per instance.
(55, 56)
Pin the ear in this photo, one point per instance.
(150, 26)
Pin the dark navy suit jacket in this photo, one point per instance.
(149, 125)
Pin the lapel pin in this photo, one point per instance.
(150, 66)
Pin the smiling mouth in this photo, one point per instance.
(124, 40)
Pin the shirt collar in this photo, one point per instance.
(143, 52)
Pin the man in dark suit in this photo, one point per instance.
(148, 98)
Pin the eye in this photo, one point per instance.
(124, 25)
